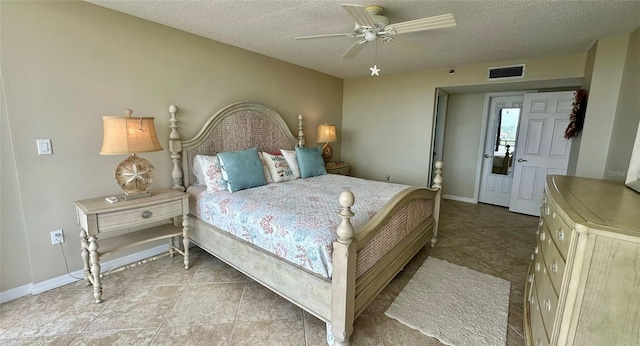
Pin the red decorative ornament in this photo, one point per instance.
(577, 114)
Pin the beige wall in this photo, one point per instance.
(65, 64)
(387, 120)
(604, 91)
(627, 113)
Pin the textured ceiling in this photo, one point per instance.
(486, 30)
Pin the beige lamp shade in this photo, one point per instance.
(327, 133)
(129, 135)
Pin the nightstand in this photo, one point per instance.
(122, 224)
(337, 168)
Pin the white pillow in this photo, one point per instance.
(290, 157)
(197, 171)
(212, 173)
(265, 168)
(278, 167)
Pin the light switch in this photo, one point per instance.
(44, 146)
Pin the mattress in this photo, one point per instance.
(295, 220)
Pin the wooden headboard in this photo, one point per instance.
(237, 126)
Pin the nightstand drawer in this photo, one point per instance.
(341, 171)
(133, 217)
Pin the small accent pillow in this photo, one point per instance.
(265, 169)
(290, 156)
(310, 162)
(242, 169)
(280, 170)
(211, 173)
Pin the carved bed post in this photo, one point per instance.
(300, 133)
(175, 147)
(437, 184)
(344, 274)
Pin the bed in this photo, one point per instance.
(362, 260)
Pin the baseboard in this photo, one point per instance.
(15, 293)
(65, 279)
(459, 198)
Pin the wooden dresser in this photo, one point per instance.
(583, 286)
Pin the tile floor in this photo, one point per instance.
(159, 303)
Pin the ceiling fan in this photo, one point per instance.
(371, 25)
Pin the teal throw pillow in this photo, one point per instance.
(242, 169)
(310, 162)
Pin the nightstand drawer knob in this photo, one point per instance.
(146, 214)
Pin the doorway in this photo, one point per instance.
(440, 112)
(543, 150)
(513, 170)
(500, 144)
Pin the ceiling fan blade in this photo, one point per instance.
(360, 15)
(402, 45)
(354, 49)
(347, 34)
(430, 23)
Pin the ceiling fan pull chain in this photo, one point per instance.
(375, 70)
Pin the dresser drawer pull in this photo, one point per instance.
(146, 214)
(537, 266)
(554, 266)
(542, 236)
(546, 210)
(560, 234)
(547, 304)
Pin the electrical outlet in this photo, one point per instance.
(57, 237)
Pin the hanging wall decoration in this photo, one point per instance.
(577, 114)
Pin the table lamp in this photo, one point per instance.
(131, 135)
(327, 134)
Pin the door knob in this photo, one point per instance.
(522, 160)
(487, 156)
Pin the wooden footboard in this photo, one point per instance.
(392, 237)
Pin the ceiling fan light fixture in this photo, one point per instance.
(370, 36)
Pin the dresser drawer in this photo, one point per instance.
(538, 332)
(561, 234)
(133, 217)
(553, 262)
(547, 300)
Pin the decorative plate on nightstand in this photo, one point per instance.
(134, 174)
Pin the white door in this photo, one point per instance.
(500, 143)
(542, 148)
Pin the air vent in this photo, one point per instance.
(506, 72)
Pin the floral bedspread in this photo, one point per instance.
(297, 219)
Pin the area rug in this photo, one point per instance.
(456, 305)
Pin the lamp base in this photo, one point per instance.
(134, 175)
(327, 153)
